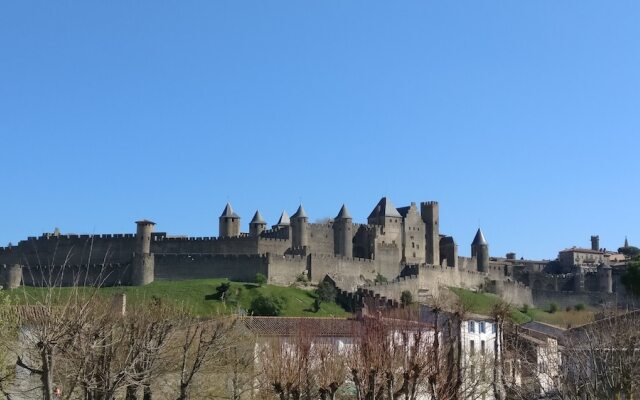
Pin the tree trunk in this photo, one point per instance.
(147, 392)
(132, 392)
(46, 357)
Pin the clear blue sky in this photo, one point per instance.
(522, 117)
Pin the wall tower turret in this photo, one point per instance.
(257, 224)
(229, 223)
(431, 216)
(299, 226)
(480, 250)
(143, 267)
(605, 278)
(11, 276)
(343, 233)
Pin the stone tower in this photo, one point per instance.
(11, 276)
(142, 269)
(480, 250)
(431, 217)
(595, 243)
(257, 224)
(229, 223)
(605, 278)
(300, 229)
(343, 233)
(283, 221)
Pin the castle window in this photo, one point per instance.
(472, 327)
(482, 346)
(482, 327)
(472, 347)
(493, 328)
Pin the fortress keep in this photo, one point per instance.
(404, 245)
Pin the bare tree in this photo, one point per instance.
(202, 341)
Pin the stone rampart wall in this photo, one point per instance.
(198, 266)
(70, 249)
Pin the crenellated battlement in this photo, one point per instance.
(398, 280)
(210, 256)
(333, 257)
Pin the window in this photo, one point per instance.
(482, 347)
(472, 347)
(493, 328)
(472, 326)
(482, 327)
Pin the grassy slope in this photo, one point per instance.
(192, 293)
(482, 303)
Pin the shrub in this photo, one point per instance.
(525, 308)
(568, 308)
(406, 298)
(267, 306)
(579, 307)
(380, 278)
(302, 278)
(553, 307)
(222, 290)
(261, 279)
(316, 304)
(326, 292)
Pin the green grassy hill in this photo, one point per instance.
(199, 296)
(482, 303)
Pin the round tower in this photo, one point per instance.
(605, 278)
(11, 276)
(480, 250)
(257, 224)
(300, 229)
(343, 233)
(229, 222)
(142, 272)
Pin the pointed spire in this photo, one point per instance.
(479, 239)
(257, 218)
(228, 212)
(300, 213)
(284, 219)
(384, 208)
(344, 213)
(626, 242)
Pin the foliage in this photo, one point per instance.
(268, 306)
(553, 307)
(484, 303)
(222, 290)
(261, 279)
(406, 298)
(524, 309)
(380, 278)
(631, 278)
(630, 251)
(302, 278)
(326, 292)
(579, 307)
